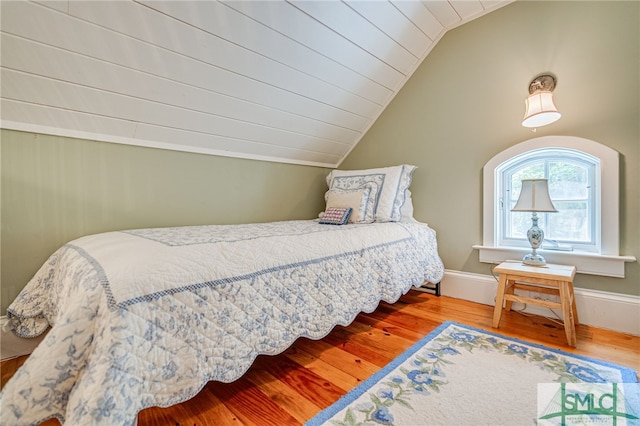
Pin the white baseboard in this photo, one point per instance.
(612, 311)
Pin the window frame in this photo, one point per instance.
(547, 155)
(607, 262)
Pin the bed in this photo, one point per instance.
(147, 317)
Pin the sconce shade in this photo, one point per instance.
(540, 110)
(534, 197)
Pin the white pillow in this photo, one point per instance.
(359, 200)
(393, 183)
(406, 211)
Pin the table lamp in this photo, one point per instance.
(534, 197)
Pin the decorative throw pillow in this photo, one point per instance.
(393, 183)
(336, 216)
(357, 199)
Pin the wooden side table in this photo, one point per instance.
(549, 279)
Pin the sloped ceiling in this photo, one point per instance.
(288, 81)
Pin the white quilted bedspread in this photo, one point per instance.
(147, 317)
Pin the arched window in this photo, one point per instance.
(584, 187)
(573, 178)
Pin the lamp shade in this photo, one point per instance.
(540, 110)
(534, 197)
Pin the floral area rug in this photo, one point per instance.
(460, 375)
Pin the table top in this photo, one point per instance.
(550, 270)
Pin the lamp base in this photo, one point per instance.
(535, 236)
(534, 259)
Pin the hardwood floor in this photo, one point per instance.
(290, 388)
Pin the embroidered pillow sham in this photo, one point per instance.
(393, 184)
(369, 184)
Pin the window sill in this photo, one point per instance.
(586, 263)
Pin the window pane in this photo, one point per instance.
(568, 181)
(532, 171)
(520, 222)
(571, 223)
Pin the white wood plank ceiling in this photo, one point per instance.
(288, 81)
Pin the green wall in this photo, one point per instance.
(465, 103)
(55, 189)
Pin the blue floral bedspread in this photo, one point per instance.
(147, 317)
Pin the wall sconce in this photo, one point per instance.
(540, 109)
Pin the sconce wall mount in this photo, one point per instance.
(540, 109)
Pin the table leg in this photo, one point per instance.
(497, 311)
(574, 306)
(567, 314)
(509, 289)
